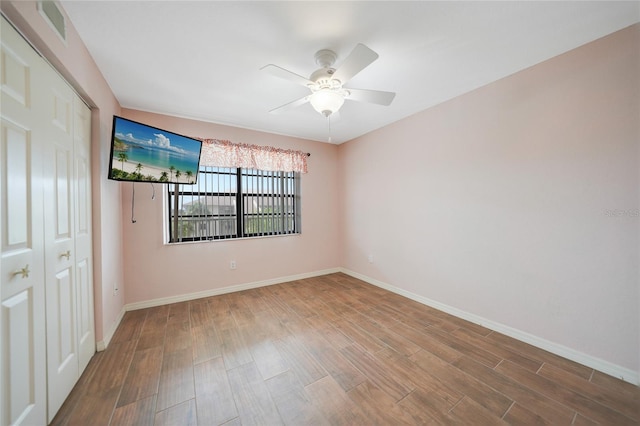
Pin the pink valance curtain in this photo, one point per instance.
(221, 153)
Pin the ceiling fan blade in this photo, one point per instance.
(371, 96)
(286, 74)
(359, 58)
(290, 105)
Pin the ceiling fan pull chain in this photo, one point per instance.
(329, 125)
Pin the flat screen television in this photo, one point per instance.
(143, 153)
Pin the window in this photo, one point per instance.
(234, 203)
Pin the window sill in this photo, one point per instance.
(166, 243)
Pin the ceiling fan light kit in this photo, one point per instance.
(326, 101)
(326, 84)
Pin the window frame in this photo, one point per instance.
(239, 196)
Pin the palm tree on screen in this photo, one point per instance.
(122, 157)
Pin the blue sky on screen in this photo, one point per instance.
(144, 135)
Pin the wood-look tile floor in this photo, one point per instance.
(331, 350)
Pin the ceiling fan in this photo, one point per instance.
(327, 83)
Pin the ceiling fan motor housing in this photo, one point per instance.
(325, 58)
(322, 77)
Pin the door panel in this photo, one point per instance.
(64, 296)
(86, 340)
(16, 167)
(21, 356)
(61, 112)
(15, 79)
(62, 201)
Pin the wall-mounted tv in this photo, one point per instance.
(142, 153)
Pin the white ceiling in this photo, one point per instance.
(202, 59)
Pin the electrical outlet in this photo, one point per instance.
(232, 264)
(370, 258)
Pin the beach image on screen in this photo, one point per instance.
(144, 153)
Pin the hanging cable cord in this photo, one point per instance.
(133, 198)
(133, 201)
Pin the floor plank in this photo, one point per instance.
(401, 366)
(252, 398)
(154, 328)
(301, 362)
(293, 402)
(377, 406)
(183, 414)
(130, 326)
(215, 403)
(94, 409)
(234, 348)
(116, 362)
(467, 411)
(178, 331)
(426, 408)
(139, 413)
(206, 342)
(374, 370)
(265, 354)
(176, 379)
(143, 376)
(518, 415)
(342, 371)
(331, 400)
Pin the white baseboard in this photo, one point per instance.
(224, 290)
(102, 344)
(596, 363)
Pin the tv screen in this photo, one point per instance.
(142, 153)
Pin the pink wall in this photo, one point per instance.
(517, 202)
(155, 270)
(75, 63)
